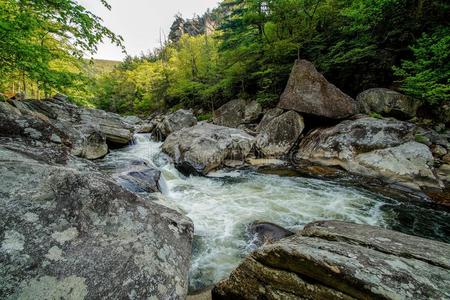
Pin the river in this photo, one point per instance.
(224, 203)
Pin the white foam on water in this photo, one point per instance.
(223, 204)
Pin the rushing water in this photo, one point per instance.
(224, 203)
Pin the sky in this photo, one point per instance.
(140, 22)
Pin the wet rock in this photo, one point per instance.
(338, 260)
(205, 147)
(382, 149)
(140, 179)
(266, 233)
(174, 122)
(280, 134)
(387, 103)
(309, 92)
(69, 232)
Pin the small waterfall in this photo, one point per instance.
(224, 203)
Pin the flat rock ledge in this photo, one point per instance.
(339, 260)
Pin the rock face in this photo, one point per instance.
(174, 122)
(237, 112)
(205, 147)
(70, 232)
(309, 92)
(371, 147)
(89, 131)
(387, 103)
(117, 132)
(338, 260)
(279, 135)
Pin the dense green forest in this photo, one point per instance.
(357, 44)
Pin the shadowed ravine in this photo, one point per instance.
(223, 204)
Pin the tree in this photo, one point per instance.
(34, 33)
(427, 75)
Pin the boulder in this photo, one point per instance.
(173, 122)
(252, 112)
(438, 150)
(88, 130)
(269, 116)
(279, 135)
(133, 120)
(387, 103)
(384, 149)
(237, 112)
(69, 232)
(140, 178)
(116, 131)
(265, 232)
(339, 260)
(231, 114)
(14, 123)
(205, 147)
(409, 164)
(444, 173)
(91, 142)
(308, 92)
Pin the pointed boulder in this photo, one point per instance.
(310, 93)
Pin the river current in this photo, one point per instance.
(224, 203)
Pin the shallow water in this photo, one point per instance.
(224, 203)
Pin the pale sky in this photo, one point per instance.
(140, 22)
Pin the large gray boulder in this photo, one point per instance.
(139, 179)
(237, 112)
(338, 260)
(269, 116)
(69, 232)
(384, 149)
(230, 114)
(133, 120)
(279, 135)
(111, 125)
(173, 122)
(116, 131)
(206, 147)
(14, 123)
(387, 103)
(308, 92)
(89, 131)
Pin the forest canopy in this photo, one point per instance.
(245, 49)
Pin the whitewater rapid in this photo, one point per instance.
(224, 203)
